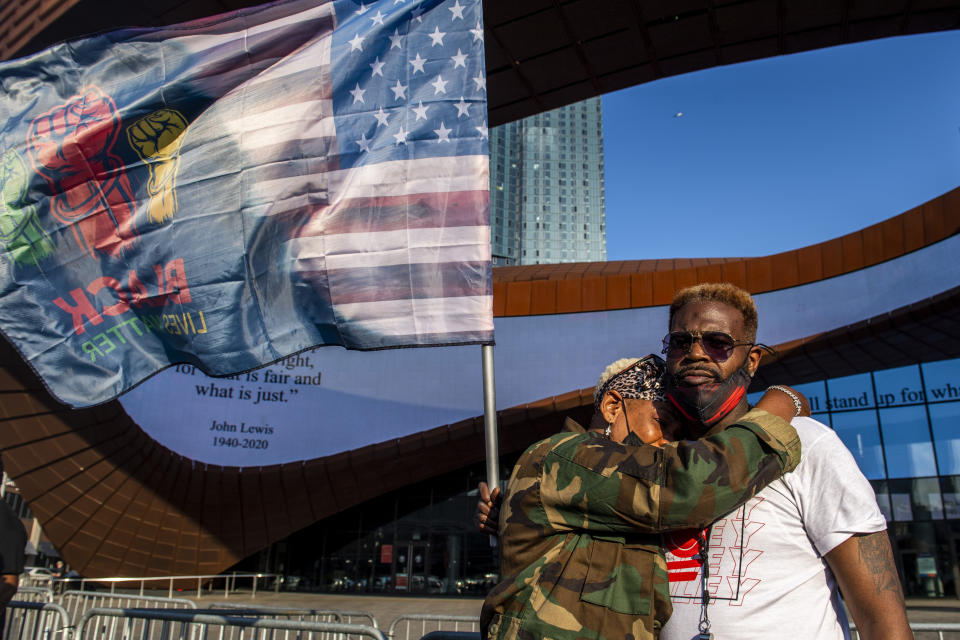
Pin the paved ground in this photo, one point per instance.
(386, 608)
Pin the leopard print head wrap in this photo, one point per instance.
(633, 378)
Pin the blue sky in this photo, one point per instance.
(781, 153)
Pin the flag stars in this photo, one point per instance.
(443, 134)
(365, 143)
(459, 60)
(400, 136)
(439, 85)
(377, 67)
(456, 10)
(477, 33)
(399, 91)
(481, 82)
(362, 10)
(377, 19)
(463, 108)
(381, 117)
(421, 111)
(483, 130)
(437, 37)
(357, 43)
(357, 94)
(396, 40)
(418, 63)
(416, 13)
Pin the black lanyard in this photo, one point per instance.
(704, 625)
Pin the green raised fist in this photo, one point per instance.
(20, 233)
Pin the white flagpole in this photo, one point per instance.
(490, 418)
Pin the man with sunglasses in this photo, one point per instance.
(774, 564)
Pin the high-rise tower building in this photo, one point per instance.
(547, 201)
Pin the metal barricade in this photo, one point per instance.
(35, 581)
(925, 631)
(35, 621)
(406, 627)
(281, 613)
(76, 603)
(287, 613)
(359, 617)
(452, 635)
(34, 594)
(152, 624)
(314, 615)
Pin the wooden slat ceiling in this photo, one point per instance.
(543, 54)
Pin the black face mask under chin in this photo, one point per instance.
(708, 404)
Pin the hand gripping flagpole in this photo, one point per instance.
(490, 418)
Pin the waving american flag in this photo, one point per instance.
(233, 190)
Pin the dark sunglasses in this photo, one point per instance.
(718, 345)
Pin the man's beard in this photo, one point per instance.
(708, 403)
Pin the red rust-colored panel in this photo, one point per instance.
(641, 289)
(951, 212)
(893, 238)
(499, 299)
(736, 273)
(759, 274)
(569, 294)
(683, 278)
(543, 297)
(709, 273)
(810, 264)
(852, 247)
(618, 292)
(518, 299)
(594, 293)
(832, 258)
(784, 270)
(872, 238)
(913, 234)
(663, 287)
(934, 229)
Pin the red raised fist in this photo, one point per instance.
(71, 147)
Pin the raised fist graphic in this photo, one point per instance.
(20, 230)
(157, 139)
(71, 147)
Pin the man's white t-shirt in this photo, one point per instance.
(767, 577)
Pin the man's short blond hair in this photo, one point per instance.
(729, 294)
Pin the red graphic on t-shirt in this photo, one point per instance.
(729, 556)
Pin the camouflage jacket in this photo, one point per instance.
(580, 523)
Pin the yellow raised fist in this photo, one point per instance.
(157, 138)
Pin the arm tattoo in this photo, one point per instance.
(873, 551)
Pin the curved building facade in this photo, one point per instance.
(116, 501)
(869, 321)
